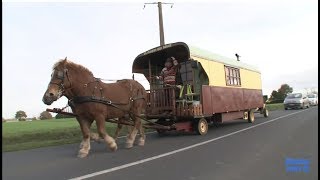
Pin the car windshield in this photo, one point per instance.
(311, 96)
(295, 95)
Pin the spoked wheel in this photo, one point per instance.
(201, 127)
(265, 112)
(245, 115)
(251, 116)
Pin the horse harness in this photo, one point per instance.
(83, 99)
(101, 99)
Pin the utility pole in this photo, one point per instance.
(160, 19)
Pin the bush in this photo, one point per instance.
(45, 115)
(22, 119)
(21, 115)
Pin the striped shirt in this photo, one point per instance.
(168, 75)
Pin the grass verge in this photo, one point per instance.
(34, 134)
(277, 106)
(42, 133)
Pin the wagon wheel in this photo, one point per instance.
(201, 127)
(245, 115)
(265, 112)
(251, 116)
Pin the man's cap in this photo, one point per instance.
(170, 59)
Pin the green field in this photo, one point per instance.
(277, 106)
(41, 133)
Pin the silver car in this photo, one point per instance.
(313, 98)
(296, 100)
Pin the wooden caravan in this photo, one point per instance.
(209, 88)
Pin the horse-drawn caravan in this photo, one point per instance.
(207, 88)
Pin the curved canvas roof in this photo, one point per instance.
(185, 52)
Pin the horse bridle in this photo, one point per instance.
(61, 76)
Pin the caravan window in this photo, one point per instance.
(232, 76)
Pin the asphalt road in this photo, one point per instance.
(233, 150)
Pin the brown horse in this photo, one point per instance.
(91, 99)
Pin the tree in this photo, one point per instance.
(265, 98)
(45, 115)
(21, 115)
(274, 95)
(284, 90)
(280, 95)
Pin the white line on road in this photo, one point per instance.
(176, 151)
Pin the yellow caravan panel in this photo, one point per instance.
(214, 70)
(214, 65)
(250, 79)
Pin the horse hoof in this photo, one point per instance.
(94, 136)
(113, 147)
(141, 143)
(82, 154)
(129, 145)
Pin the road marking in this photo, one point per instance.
(176, 151)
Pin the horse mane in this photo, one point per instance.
(71, 65)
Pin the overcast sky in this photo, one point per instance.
(279, 37)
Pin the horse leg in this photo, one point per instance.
(85, 144)
(119, 127)
(142, 138)
(132, 135)
(96, 137)
(102, 132)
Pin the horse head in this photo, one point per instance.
(58, 84)
(67, 79)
